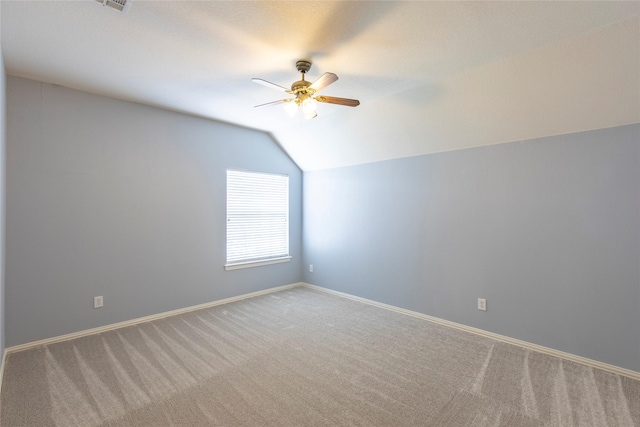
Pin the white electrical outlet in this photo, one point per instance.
(98, 302)
(482, 304)
(310, 268)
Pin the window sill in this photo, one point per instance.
(240, 265)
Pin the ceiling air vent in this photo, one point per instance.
(119, 5)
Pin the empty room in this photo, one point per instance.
(319, 213)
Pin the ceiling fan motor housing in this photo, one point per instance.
(300, 86)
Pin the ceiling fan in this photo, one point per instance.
(304, 93)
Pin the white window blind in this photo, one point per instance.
(257, 218)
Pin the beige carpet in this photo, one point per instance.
(305, 358)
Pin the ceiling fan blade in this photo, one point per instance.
(281, 101)
(339, 101)
(325, 80)
(271, 85)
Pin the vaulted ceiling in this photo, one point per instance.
(431, 76)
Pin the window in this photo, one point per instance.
(257, 219)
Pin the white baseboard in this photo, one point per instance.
(535, 347)
(131, 322)
(4, 359)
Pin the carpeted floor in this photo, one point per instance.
(301, 357)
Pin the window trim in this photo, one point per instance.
(249, 264)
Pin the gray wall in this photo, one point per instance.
(547, 230)
(3, 145)
(106, 197)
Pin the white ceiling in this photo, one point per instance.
(431, 76)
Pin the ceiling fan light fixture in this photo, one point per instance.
(309, 108)
(291, 107)
(311, 115)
